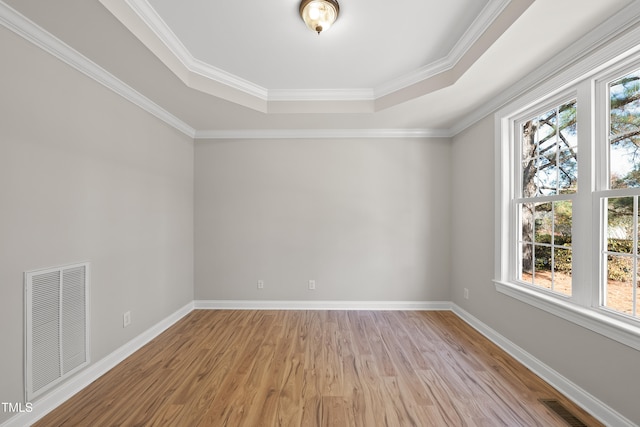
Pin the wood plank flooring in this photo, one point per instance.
(316, 368)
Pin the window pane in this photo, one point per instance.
(620, 224)
(547, 131)
(568, 130)
(548, 180)
(562, 270)
(542, 274)
(527, 263)
(529, 146)
(568, 172)
(526, 221)
(624, 132)
(563, 221)
(637, 301)
(539, 176)
(638, 235)
(543, 225)
(529, 185)
(619, 287)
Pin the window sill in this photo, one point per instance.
(618, 330)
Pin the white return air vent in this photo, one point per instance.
(56, 326)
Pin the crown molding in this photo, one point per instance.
(487, 16)
(162, 31)
(30, 31)
(321, 95)
(620, 34)
(322, 134)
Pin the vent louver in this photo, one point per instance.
(56, 326)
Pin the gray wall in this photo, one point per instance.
(87, 176)
(367, 219)
(605, 368)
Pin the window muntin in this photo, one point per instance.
(544, 209)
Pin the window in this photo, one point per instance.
(548, 177)
(619, 196)
(568, 209)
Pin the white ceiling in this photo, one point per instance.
(228, 66)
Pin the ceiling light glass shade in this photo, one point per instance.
(319, 15)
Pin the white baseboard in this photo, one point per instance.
(589, 403)
(320, 305)
(53, 399)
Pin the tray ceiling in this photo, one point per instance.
(222, 68)
(260, 56)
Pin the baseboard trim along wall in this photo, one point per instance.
(47, 403)
(56, 397)
(589, 403)
(320, 305)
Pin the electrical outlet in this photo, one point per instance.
(312, 284)
(260, 284)
(466, 293)
(126, 319)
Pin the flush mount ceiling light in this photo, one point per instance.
(319, 15)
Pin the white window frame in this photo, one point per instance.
(602, 175)
(516, 146)
(583, 81)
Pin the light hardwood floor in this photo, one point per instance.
(316, 368)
